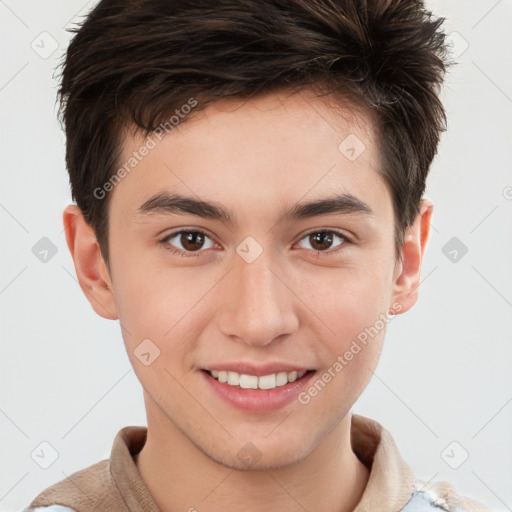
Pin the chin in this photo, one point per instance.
(250, 458)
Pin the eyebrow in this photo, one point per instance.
(166, 203)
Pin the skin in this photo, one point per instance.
(294, 304)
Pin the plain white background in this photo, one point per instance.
(443, 385)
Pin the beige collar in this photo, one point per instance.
(389, 487)
(391, 481)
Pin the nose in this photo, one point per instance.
(259, 305)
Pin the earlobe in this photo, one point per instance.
(90, 267)
(407, 275)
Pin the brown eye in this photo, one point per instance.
(187, 241)
(192, 241)
(323, 240)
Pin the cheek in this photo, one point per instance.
(352, 306)
(348, 301)
(354, 309)
(161, 306)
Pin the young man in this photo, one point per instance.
(249, 180)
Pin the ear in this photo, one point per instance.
(91, 270)
(407, 272)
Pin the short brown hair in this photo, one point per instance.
(133, 62)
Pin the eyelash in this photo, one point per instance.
(165, 242)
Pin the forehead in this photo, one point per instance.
(274, 148)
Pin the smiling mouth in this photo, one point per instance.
(246, 381)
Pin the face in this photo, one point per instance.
(241, 275)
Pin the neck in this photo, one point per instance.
(180, 476)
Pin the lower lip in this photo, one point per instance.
(258, 400)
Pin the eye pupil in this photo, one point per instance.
(322, 239)
(192, 240)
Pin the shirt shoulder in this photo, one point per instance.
(440, 497)
(51, 508)
(109, 485)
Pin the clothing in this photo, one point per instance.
(115, 484)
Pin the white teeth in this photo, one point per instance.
(267, 382)
(253, 382)
(233, 378)
(248, 381)
(281, 379)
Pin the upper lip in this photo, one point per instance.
(257, 370)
